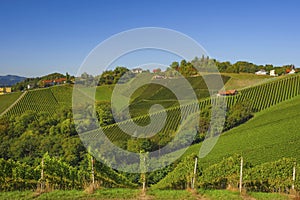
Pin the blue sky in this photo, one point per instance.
(41, 37)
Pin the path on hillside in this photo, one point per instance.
(12, 105)
(144, 196)
(247, 197)
(196, 195)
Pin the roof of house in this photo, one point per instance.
(228, 92)
(60, 80)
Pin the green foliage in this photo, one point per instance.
(104, 113)
(17, 176)
(268, 177)
(53, 172)
(221, 175)
(180, 177)
(238, 114)
(206, 64)
(113, 76)
(271, 177)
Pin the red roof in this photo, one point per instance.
(59, 80)
(228, 92)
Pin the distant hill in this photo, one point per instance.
(35, 82)
(10, 80)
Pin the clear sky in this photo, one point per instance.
(41, 37)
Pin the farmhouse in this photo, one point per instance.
(227, 93)
(5, 90)
(273, 73)
(58, 81)
(292, 71)
(137, 70)
(261, 72)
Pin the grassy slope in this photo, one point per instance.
(103, 93)
(242, 80)
(128, 194)
(146, 96)
(269, 136)
(8, 99)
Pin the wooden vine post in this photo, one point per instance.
(194, 175)
(241, 175)
(93, 171)
(294, 176)
(143, 168)
(42, 176)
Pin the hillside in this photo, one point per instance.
(7, 100)
(51, 99)
(146, 96)
(259, 97)
(48, 100)
(272, 134)
(243, 80)
(10, 80)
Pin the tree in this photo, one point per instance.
(174, 66)
(104, 113)
(68, 78)
(238, 114)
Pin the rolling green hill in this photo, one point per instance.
(272, 134)
(51, 99)
(259, 97)
(7, 100)
(243, 80)
(146, 96)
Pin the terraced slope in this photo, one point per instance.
(41, 100)
(272, 134)
(7, 100)
(259, 98)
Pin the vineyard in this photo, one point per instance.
(272, 134)
(259, 97)
(53, 173)
(258, 141)
(276, 176)
(47, 100)
(7, 100)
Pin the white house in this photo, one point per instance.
(273, 73)
(261, 72)
(292, 71)
(137, 70)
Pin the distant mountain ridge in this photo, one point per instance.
(10, 80)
